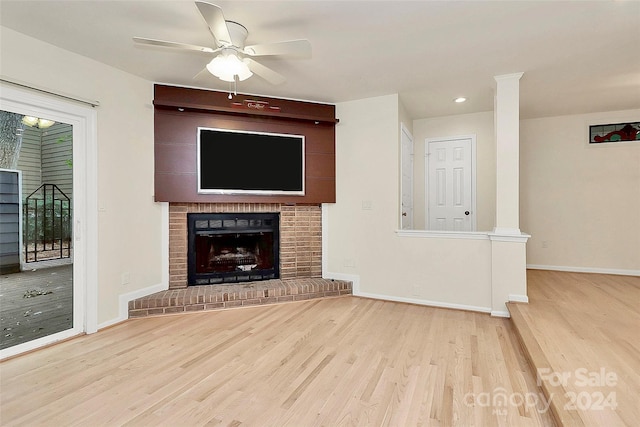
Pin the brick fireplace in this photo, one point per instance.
(179, 113)
(300, 237)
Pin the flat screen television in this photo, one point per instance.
(244, 162)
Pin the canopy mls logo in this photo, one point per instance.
(499, 400)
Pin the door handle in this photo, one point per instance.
(404, 214)
(466, 212)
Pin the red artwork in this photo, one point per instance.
(626, 133)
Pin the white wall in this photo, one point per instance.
(580, 201)
(362, 242)
(129, 228)
(479, 124)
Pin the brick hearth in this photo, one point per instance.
(300, 264)
(217, 297)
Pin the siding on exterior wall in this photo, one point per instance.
(30, 160)
(56, 153)
(44, 158)
(9, 222)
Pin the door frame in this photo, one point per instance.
(474, 210)
(405, 132)
(83, 118)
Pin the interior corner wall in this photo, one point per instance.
(129, 222)
(580, 202)
(361, 234)
(479, 124)
(405, 119)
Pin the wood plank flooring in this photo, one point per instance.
(582, 334)
(329, 362)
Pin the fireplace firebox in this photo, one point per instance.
(227, 248)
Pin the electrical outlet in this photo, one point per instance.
(349, 262)
(125, 278)
(367, 205)
(545, 244)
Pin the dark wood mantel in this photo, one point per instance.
(198, 100)
(178, 112)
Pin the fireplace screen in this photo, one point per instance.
(230, 248)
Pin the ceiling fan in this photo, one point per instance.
(232, 60)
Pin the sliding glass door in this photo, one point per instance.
(45, 186)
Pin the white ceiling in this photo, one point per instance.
(577, 56)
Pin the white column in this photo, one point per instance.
(508, 244)
(507, 118)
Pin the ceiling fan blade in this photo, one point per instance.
(214, 18)
(203, 73)
(266, 73)
(292, 48)
(173, 45)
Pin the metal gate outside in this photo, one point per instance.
(47, 224)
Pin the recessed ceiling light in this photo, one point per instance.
(460, 99)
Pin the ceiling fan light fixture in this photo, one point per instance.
(227, 65)
(244, 72)
(234, 61)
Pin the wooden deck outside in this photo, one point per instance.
(35, 303)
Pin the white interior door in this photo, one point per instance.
(406, 208)
(450, 184)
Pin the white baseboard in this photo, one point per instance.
(355, 280)
(428, 303)
(123, 303)
(500, 313)
(597, 270)
(123, 300)
(518, 298)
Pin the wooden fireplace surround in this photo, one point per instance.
(179, 111)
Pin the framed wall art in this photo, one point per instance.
(614, 132)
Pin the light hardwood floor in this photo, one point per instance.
(330, 362)
(582, 333)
